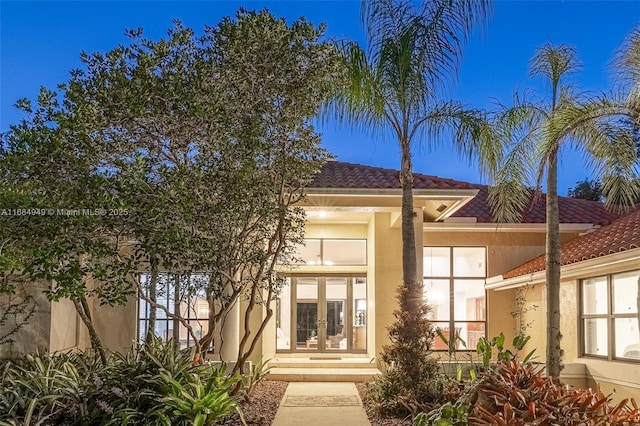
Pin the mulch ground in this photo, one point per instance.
(261, 409)
(263, 404)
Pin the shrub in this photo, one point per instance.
(520, 394)
(412, 380)
(154, 383)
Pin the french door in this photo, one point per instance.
(322, 314)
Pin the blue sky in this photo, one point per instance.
(41, 41)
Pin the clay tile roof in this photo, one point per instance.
(572, 210)
(622, 234)
(337, 174)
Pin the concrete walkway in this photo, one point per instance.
(321, 404)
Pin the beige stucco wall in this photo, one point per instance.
(25, 331)
(116, 325)
(387, 268)
(65, 326)
(621, 379)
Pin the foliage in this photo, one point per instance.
(520, 309)
(258, 372)
(532, 133)
(154, 383)
(395, 87)
(591, 189)
(520, 394)
(448, 414)
(410, 381)
(587, 190)
(485, 349)
(168, 140)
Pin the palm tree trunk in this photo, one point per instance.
(553, 263)
(409, 260)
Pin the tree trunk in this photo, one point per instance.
(553, 263)
(153, 311)
(409, 260)
(82, 307)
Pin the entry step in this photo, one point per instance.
(356, 363)
(320, 374)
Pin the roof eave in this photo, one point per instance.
(582, 269)
(393, 192)
(466, 226)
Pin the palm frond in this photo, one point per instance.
(554, 62)
(468, 130)
(357, 98)
(601, 128)
(627, 68)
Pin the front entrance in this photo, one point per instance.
(322, 314)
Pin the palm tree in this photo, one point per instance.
(396, 87)
(533, 133)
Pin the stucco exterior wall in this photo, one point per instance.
(26, 320)
(619, 378)
(65, 326)
(388, 276)
(116, 325)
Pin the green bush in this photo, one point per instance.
(155, 383)
(412, 381)
(520, 394)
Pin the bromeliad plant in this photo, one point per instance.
(155, 383)
(521, 394)
(201, 401)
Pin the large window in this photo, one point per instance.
(609, 314)
(332, 252)
(193, 307)
(454, 280)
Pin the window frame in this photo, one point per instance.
(609, 316)
(322, 253)
(452, 278)
(176, 300)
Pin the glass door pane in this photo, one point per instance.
(336, 313)
(359, 310)
(307, 314)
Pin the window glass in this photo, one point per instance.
(468, 300)
(595, 336)
(627, 338)
(470, 333)
(309, 253)
(438, 343)
(469, 262)
(625, 293)
(283, 317)
(344, 252)
(194, 309)
(436, 294)
(594, 296)
(436, 262)
(359, 310)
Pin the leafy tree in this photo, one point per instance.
(533, 133)
(206, 143)
(46, 182)
(586, 190)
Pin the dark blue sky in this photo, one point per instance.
(41, 41)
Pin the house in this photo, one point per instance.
(600, 305)
(341, 297)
